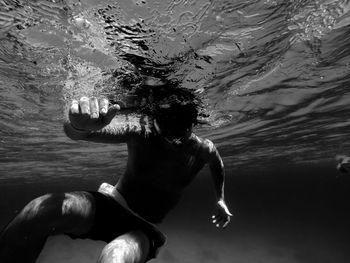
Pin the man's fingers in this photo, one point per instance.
(112, 111)
(92, 114)
(217, 219)
(221, 220)
(226, 223)
(94, 108)
(103, 104)
(84, 105)
(74, 107)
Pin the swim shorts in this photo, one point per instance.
(112, 220)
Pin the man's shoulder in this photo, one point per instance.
(205, 146)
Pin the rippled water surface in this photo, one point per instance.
(274, 76)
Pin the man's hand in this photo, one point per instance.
(343, 163)
(91, 114)
(223, 216)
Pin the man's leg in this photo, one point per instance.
(23, 239)
(132, 247)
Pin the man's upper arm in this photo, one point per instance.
(212, 154)
(217, 170)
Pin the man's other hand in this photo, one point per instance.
(91, 114)
(223, 215)
(343, 163)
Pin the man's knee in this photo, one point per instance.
(132, 247)
(52, 213)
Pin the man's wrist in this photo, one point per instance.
(221, 201)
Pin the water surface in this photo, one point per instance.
(274, 77)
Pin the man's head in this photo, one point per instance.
(175, 121)
(174, 109)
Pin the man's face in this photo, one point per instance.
(173, 130)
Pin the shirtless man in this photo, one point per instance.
(164, 158)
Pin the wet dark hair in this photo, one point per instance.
(168, 102)
(155, 97)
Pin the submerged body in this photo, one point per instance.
(160, 188)
(161, 163)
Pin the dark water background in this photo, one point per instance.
(274, 76)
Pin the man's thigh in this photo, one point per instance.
(77, 211)
(132, 247)
(55, 213)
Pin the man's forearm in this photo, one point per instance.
(222, 218)
(219, 184)
(218, 175)
(108, 134)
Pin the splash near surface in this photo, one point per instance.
(272, 74)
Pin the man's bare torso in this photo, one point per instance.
(157, 173)
(157, 170)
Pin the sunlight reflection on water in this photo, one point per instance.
(273, 74)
